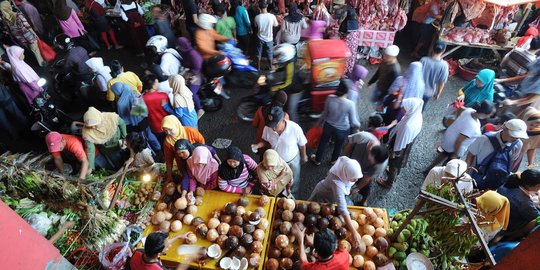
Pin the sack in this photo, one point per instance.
(122, 250)
(138, 107)
(495, 168)
(46, 51)
(313, 136)
(421, 12)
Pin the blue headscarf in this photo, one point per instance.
(412, 84)
(126, 96)
(474, 93)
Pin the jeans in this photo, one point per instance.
(295, 167)
(293, 101)
(268, 45)
(243, 43)
(153, 141)
(339, 136)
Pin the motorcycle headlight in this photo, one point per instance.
(243, 62)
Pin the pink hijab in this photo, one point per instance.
(201, 155)
(22, 72)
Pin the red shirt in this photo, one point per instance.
(379, 132)
(137, 263)
(75, 146)
(340, 261)
(156, 112)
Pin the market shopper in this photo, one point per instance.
(454, 169)
(106, 131)
(274, 175)
(402, 139)
(131, 13)
(279, 99)
(478, 89)
(193, 61)
(202, 169)
(531, 117)
(334, 189)
(162, 26)
(183, 150)
(287, 138)
(225, 26)
(164, 60)
(376, 126)
(265, 23)
(486, 147)
(21, 31)
(67, 19)
(140, 156)
(243, 25)
(338, 118)
(102, 73)
(328, 254)
(99, 20)
(495, 210)
(425, 28)
(175, 131)
(192, 16)
(154, 101)
(235, 175)
(23, 74)
(529, 92)
(462, 132)
(32, 14)
(206, 37)
(372, 156)
(348, 31)
(13, 121)
(119, 75)
(292, 26)
(357, 76)
(182, 104)
(523, 210)
(411, 84)
(386, 73)
(435, 70)
(67, 147)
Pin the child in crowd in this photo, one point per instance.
(140, 155)
(376, 127)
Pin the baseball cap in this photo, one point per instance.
(274, 116)
(155, 243)
(439, 46)
(54, 141)
(517, 128)
(392, 50)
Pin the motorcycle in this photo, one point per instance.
(64, 84)
(212, 93)
(49, 117)
(242, 75)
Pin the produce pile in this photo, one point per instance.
(234, 228)
(283, 252)
(414, 238)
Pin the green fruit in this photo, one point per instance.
(401, 246)
(406, 233)
(391, 252)
(396, 263)
(394, 225)
(425, 252)
(414, 245)
(400, 256)
(398, 216)
(412, 250)
(413, 223)
(390, 231)
(424, 246)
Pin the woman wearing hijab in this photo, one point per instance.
(202, 169)
(235, 175)
(334, 189)
(412, 83)
(106, 131)
(454, 169)
(102, 73)
(479, 89)
(274, 175)
(519, 189)
(175, 131)
(67, 19)
(135, 122)
(183, 150)
(348, 30)
(402, 138)
(131, 13)
(495, 211)
(292, 26)
(23, 74)
(192, 60)
(182, 104)
(21, 31)
(99, 20)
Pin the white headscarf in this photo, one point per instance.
(410, 125)
(455, 167)
(345, 170)
(96, 64)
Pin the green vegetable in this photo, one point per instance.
(391, 252)
(400, 255)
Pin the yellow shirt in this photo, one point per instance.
(128, 78)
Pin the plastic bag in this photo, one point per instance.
(313, 136)
(138, 107)
(114, 256)
(40, 222)
(46, 51)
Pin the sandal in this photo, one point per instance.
(313, 159)
(383, 183)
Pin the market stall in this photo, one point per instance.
(488, 24)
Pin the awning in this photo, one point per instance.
(507, 3)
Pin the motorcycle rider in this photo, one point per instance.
(206, 37)
(167, 59)
(74, 61)
(285, 60)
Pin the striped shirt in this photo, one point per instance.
(516, 62)
(238, 184)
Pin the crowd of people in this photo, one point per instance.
(141, 119)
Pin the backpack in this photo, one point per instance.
(421, 12)
(495, 168)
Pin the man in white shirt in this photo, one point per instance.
(265, 23)
(287, 138)
(462, 132)
(454, 169)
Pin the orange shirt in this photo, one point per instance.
(75, 146)
(205, 40)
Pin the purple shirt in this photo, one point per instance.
(33, 16)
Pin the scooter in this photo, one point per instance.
(212, 93)
(242, 75)
(66, 86)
